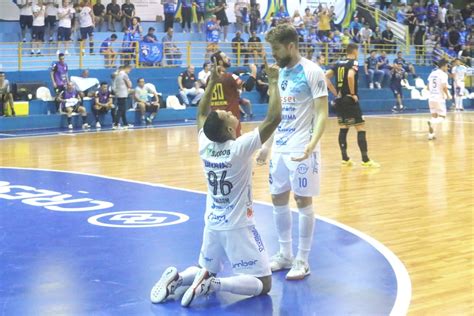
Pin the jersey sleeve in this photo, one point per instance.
(203, 141)
(247, 144)
(316, 81)
(54, 66)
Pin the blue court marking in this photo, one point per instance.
(61, 252)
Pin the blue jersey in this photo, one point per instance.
(200, 5)
(212, 35)
(106, 44)
(169, 8)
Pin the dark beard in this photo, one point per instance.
(282, 63)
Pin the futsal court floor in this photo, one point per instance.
(88, 221)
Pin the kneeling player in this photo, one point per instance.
(230, 230)
(71, 103)
(103, 103)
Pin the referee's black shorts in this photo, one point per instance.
(348, 111)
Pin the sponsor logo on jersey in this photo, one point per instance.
(286, 130)
(219, 153)
(217, 219)
(288, 117)
(249, 212)
(221, 200)
(287, 99)
(284, 84)
(244, 264)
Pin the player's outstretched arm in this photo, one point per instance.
(204, 104)
(273, 117)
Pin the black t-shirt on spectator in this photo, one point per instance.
(454, 37)
(387, 35)
(262, 76)
(187, 80)
(465, 13)
(419, 35)
(128, 8)
(98, 9)
(113, 8)
(252, 40)
(235, 45)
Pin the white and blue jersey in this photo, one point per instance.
(299, 86)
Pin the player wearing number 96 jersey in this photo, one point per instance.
(229, 231)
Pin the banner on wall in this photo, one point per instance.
(150, 53)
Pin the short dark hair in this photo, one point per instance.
(351, 47)
(114, 36)
(216, 57)
(205, 64)
(372, 51)
(138, 80)
(214, 128)
(399, 52)
(442, 63)
(60, 55)
(103, 82)
(284, 34)
(151, 28)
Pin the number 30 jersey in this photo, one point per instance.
(228, 172)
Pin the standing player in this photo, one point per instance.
(398, 74)
(458, 72)
(229, 230)
(438, 86)
(226, 92)
(295, 162)
(347, 105)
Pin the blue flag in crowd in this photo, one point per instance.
(151, 52)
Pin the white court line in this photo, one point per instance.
(8, 135)
(404, 288)
(425, 115)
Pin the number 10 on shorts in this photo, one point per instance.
(303, 182)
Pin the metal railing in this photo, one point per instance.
(18, 56)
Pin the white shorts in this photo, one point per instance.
(459, 91)
(437, 107)
(300, 177)
(243, 247)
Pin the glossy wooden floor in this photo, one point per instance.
(419, 204)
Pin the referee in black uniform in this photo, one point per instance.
(347, 104)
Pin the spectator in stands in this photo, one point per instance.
(262, 84)
(86, 23)
(221, 16)
(442, 12)
(391, 11)
(376, 39)
(128, 12)
(354, 28)
(466, 12)
(71, 102)
(239, 4)
(246, 20)
(108, 52)
(200, 6)
(309, 19)
(211, 9)
(121, 89)
(365, 36)
(312, 42)
(135, 29)
(407, 67)
(296, 19)
(113, 13)
(383, 65)
(50, 21)
(454, 38)
(39, 15)
(372, 71)
(428, 47)
(59, 76)
(171, 51)
(65, 15)
(432, 12)
(419, 41)
(255, 48)
(186, 15)
(146, 100)
(420, 12)
(324, 25)
(239, 49)
(150, 37)
(204, 74)
(388, 41)
(6, 96)
(321, 61)
(169, 8)
(212, 36)
(256, 22)
(99, 14)
(401, 14)
(103, 103)
(189, 87)
(26, 16)
(346, 37)
(282, 16)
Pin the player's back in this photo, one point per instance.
(228, 172)
(459, 72)
(436, 79)
(225, 95)
(341, 70)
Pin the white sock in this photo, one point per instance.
(188, 275)
(458, 102)
(306, 229)
(240, 284)
(283, 222)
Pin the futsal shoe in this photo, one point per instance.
(98, 126)
(201, 286)
(69, 126)
(299, 270)
(347, 163)
(370, 164)
(431, 136)
(280, 262)
(166, 286)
